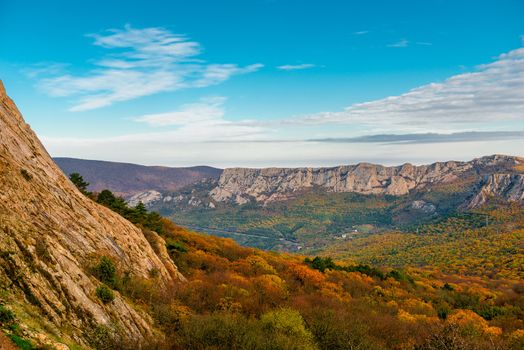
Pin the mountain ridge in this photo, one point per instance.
(138, 178)
(240, 185)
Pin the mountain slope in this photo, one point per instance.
(129, 179)
(51, 233)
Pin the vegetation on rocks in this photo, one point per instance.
(105, 294)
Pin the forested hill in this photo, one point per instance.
(127, 179)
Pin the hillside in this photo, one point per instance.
(52, 236)
(129, 179)
(487, 242)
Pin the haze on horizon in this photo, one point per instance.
(268, 83)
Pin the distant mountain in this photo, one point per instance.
(129, 179)
(497, 175)
(307, 208)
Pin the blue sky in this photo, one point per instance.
(267, 83)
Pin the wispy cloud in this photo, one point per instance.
(418, 138)
(492, 93)
(406, 127)
(296, 66)
(400, 43)
(207, 109)
(203, 121)
(141, 62)
(361, 32)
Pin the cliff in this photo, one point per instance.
(42, 211)
(239, 185)
(509, 187)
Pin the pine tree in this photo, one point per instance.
(79, 182)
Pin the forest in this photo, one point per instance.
(244, 298)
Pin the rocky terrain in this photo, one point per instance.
(130, 179)
(497, 175)
(49, 235)
(509, 187)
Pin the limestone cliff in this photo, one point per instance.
(39, 206)
(239, 185)
(509, 187)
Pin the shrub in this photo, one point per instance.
(21, 343)
(175, 245)
(105, 294)
(105, 271)
(448, 287)
(103, 338)
(6, 315)
(286, 321)
(233, 331)
(26, 175)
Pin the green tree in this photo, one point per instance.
(79, 182)
(106, 198)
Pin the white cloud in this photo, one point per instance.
(493, 93)
(400, 43)
(203, 121)
(488, 102)
(142, 62)
(361, 32)
(208, 109)
(296, 66)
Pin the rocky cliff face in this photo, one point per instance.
(239, 185)
(509, 187)
(41, 210)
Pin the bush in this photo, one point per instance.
(286, 321)
(26, 175)
(105, 294)
(175, 245)
(21, 343)
(105, 271)
(6, 315)
(280, 329)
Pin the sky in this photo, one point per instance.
(259, 83)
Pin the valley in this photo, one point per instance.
(84, 269)
(310, 214)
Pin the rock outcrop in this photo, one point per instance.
(145, 198)
(49, 232)
(508, 187)
(239, 185)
